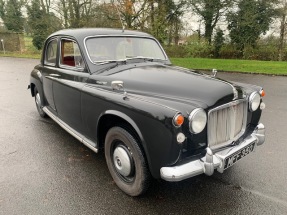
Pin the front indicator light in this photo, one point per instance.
(262, 93)
(178, 120)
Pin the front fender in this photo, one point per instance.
(151, 121)
(36, 80)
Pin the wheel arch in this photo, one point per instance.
(111, 118)
(115, 118)
(32, 88)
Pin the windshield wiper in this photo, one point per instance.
(109, 61)
(110, 64)
(107, 65)
(140, 57)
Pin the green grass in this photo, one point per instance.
(246, 66)
(20, 55)
(29, 51)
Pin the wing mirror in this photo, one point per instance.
(118, 85)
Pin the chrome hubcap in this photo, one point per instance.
(122, 161)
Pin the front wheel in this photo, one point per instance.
(126, 162)
(38, 102)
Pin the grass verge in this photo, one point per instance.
(21, 55)
(227, 65)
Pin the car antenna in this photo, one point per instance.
(123, 27)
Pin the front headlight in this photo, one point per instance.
(254, 101)
(197, 120)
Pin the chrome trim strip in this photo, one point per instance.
(90, 144)
(55, 75)
(236, 102)
(211, 161)
(118, 35)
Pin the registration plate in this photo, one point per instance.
(232, 159)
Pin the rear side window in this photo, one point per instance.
(51, 52)
(70, 54)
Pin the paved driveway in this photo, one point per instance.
(44, 170)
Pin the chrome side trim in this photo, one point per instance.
(90, 144)
(211, 161)
(55, 75)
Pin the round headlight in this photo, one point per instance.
(254, 101)
(197, 120)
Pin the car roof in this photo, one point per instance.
(81, 33)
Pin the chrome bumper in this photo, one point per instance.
(211, 161)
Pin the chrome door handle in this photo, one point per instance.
(55, 75)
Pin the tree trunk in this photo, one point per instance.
(152, 15)
(208, 30)
(176, 33)
(282, 36)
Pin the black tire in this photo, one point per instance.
(38, 102)
(135, 180)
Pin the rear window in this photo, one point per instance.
(51, 52)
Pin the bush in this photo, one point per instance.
(199, 50)
(229, 52)
(176, 51)
(266, 53)
(266, 50)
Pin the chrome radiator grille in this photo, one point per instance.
(226, 123)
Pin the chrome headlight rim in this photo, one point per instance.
(191, 118)
(252, 97)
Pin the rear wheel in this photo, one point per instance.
(38, 102)
(126, 162)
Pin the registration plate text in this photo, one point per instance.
(232, 159)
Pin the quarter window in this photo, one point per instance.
(51, 52)
(70, 54)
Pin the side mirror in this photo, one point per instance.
(117, 85)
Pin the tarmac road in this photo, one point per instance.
(44, 170)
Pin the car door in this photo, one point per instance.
(67, 86)
(49, 71)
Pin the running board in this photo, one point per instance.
(90, 144)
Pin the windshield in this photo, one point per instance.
(106, 49)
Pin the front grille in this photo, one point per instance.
(226, 123)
